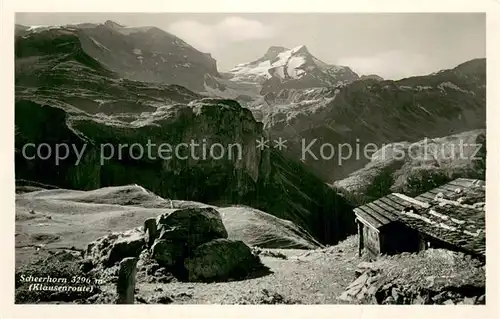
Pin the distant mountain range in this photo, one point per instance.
(152, 55)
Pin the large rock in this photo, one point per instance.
(220, 260)
(191, 226)
(168, 253)
(111, 249)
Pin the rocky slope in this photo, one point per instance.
(379, 112)
(296, 68)
(136, 53)
(65, 96)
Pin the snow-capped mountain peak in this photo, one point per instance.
(126, 30)
(277, 61)
(113, 24)
(300, 49)
(296, 65)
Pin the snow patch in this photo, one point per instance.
(101, 102)
(296, 49)
(426, 87)
(450, 85)
(284, 63)
(293, 64)
(99, 45)
(336, 68)
(249, 71)
(130, 30)
(43, 27)
(424, 109)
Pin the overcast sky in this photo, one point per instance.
(394, 45)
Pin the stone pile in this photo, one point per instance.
(366, 285)
(374, 287)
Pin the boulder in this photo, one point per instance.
(167, 253)
(191, 226)
(220, 260)
(111, 249)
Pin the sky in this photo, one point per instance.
(392, 45)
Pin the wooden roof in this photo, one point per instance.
(450, 188)
(437, 214)
(383, 210)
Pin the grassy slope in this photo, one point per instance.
(68, 218)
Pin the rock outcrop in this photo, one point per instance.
(168, 253)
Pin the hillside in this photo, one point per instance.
(414, 168)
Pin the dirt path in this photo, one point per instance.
(305, 277)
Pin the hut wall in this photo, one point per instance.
(396, 238)
(371, 240)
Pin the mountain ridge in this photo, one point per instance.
(146, 54)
